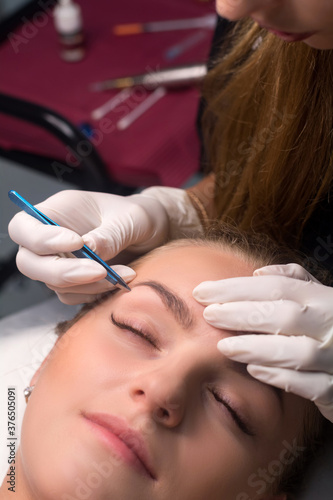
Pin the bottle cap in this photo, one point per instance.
(67, 17)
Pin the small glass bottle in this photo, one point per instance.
(69, 26)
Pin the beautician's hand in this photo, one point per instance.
(108, 224)
(291, 304)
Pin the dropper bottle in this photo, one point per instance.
(69, 26)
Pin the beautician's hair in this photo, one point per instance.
(267, 129)
(257, 250)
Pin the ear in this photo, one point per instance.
(44, 363)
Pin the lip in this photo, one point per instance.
(128, 443)
(288, 37)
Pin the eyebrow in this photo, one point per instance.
(175, 304)
(184, 317)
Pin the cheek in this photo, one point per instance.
(321, 41)
(229, 8)
(317, 14)
(213, 465)
(81, 370)
(83, 362)
(220, 6)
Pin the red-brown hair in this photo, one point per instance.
(268, 130)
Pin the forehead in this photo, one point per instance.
(186, 267)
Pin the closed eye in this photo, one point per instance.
(240, 422)
(150, 339)
(137, 331)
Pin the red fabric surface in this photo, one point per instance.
(160, 147)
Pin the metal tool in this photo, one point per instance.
(84, 252)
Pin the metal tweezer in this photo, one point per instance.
(84, 252)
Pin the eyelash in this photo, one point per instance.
(145, 336)
(235, 416)
(153, 342)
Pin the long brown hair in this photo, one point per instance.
(268, 132)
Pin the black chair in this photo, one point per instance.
(90, 173)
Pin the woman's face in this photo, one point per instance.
(310, 21)
(136, 403)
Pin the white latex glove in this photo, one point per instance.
(285, 301)
(108, 224)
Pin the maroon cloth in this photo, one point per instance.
(160, 147)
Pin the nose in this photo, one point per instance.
(238, 9)
(169, 388)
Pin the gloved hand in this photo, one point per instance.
(108, 224)
(285, 301)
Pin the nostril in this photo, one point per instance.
(162, 413)
(138, 393)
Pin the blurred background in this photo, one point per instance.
(17, 292)
(58, 131)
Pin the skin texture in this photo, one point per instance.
(165, 392)
(293, 16)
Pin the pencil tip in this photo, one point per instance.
(127, 29)
(123, 284)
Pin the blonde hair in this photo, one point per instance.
(268, 132)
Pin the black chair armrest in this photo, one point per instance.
(91, 164)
